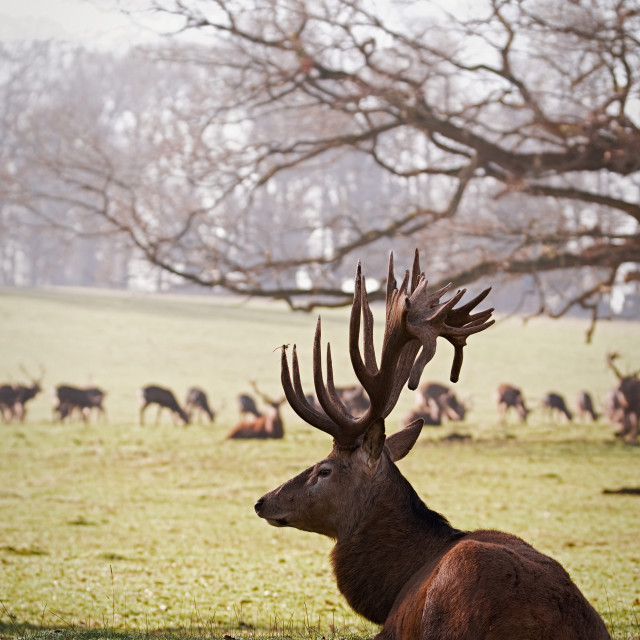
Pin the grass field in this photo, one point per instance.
(118, 528)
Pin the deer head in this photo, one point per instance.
(333, 495)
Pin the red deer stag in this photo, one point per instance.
(263, 426)
(197, 404)
(509, 397)
(68, 399)
(626, 399)
(14, 397)
(554, 403)
(164, 398)
(584, 406)
(398, 563)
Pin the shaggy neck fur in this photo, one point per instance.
(398, 535)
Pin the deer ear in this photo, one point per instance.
(373, 442)
(400, 443)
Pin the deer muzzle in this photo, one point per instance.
(260, 511)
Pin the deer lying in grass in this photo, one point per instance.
(397, 562)
(261, 425)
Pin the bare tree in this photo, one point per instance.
(301, 131)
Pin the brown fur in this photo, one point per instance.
(261, 427)
(404, 566)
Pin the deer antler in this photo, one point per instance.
(611, 357)
(32, 377)
(265, 398)
(414, 320)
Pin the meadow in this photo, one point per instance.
(115, 529)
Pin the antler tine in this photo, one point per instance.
(335, 402)
(359, 294)
(391, 278)
(336, 411)
(466, 308)
(416, 274)
(296, 398)
(370, 362)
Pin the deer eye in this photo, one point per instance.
(323, 472)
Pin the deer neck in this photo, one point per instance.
(397, 537)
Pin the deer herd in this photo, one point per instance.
(436, 404)
(397, 562)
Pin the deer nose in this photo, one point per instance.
(258, 504)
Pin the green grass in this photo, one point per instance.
(118, 530)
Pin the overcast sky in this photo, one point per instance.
(74, 20)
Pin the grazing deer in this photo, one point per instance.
(197, 404)
(68, 399)
(262, 425)
(14, 397)
(443, 398)
(554, 403)
(584, 406)
(164, 398)
(397, 562)
(246, 404)
(626, 397)
(509, 397)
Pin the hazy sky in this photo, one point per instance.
(75, 20)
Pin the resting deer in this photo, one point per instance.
(263, 426)
(398, 563)
(164, 398)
